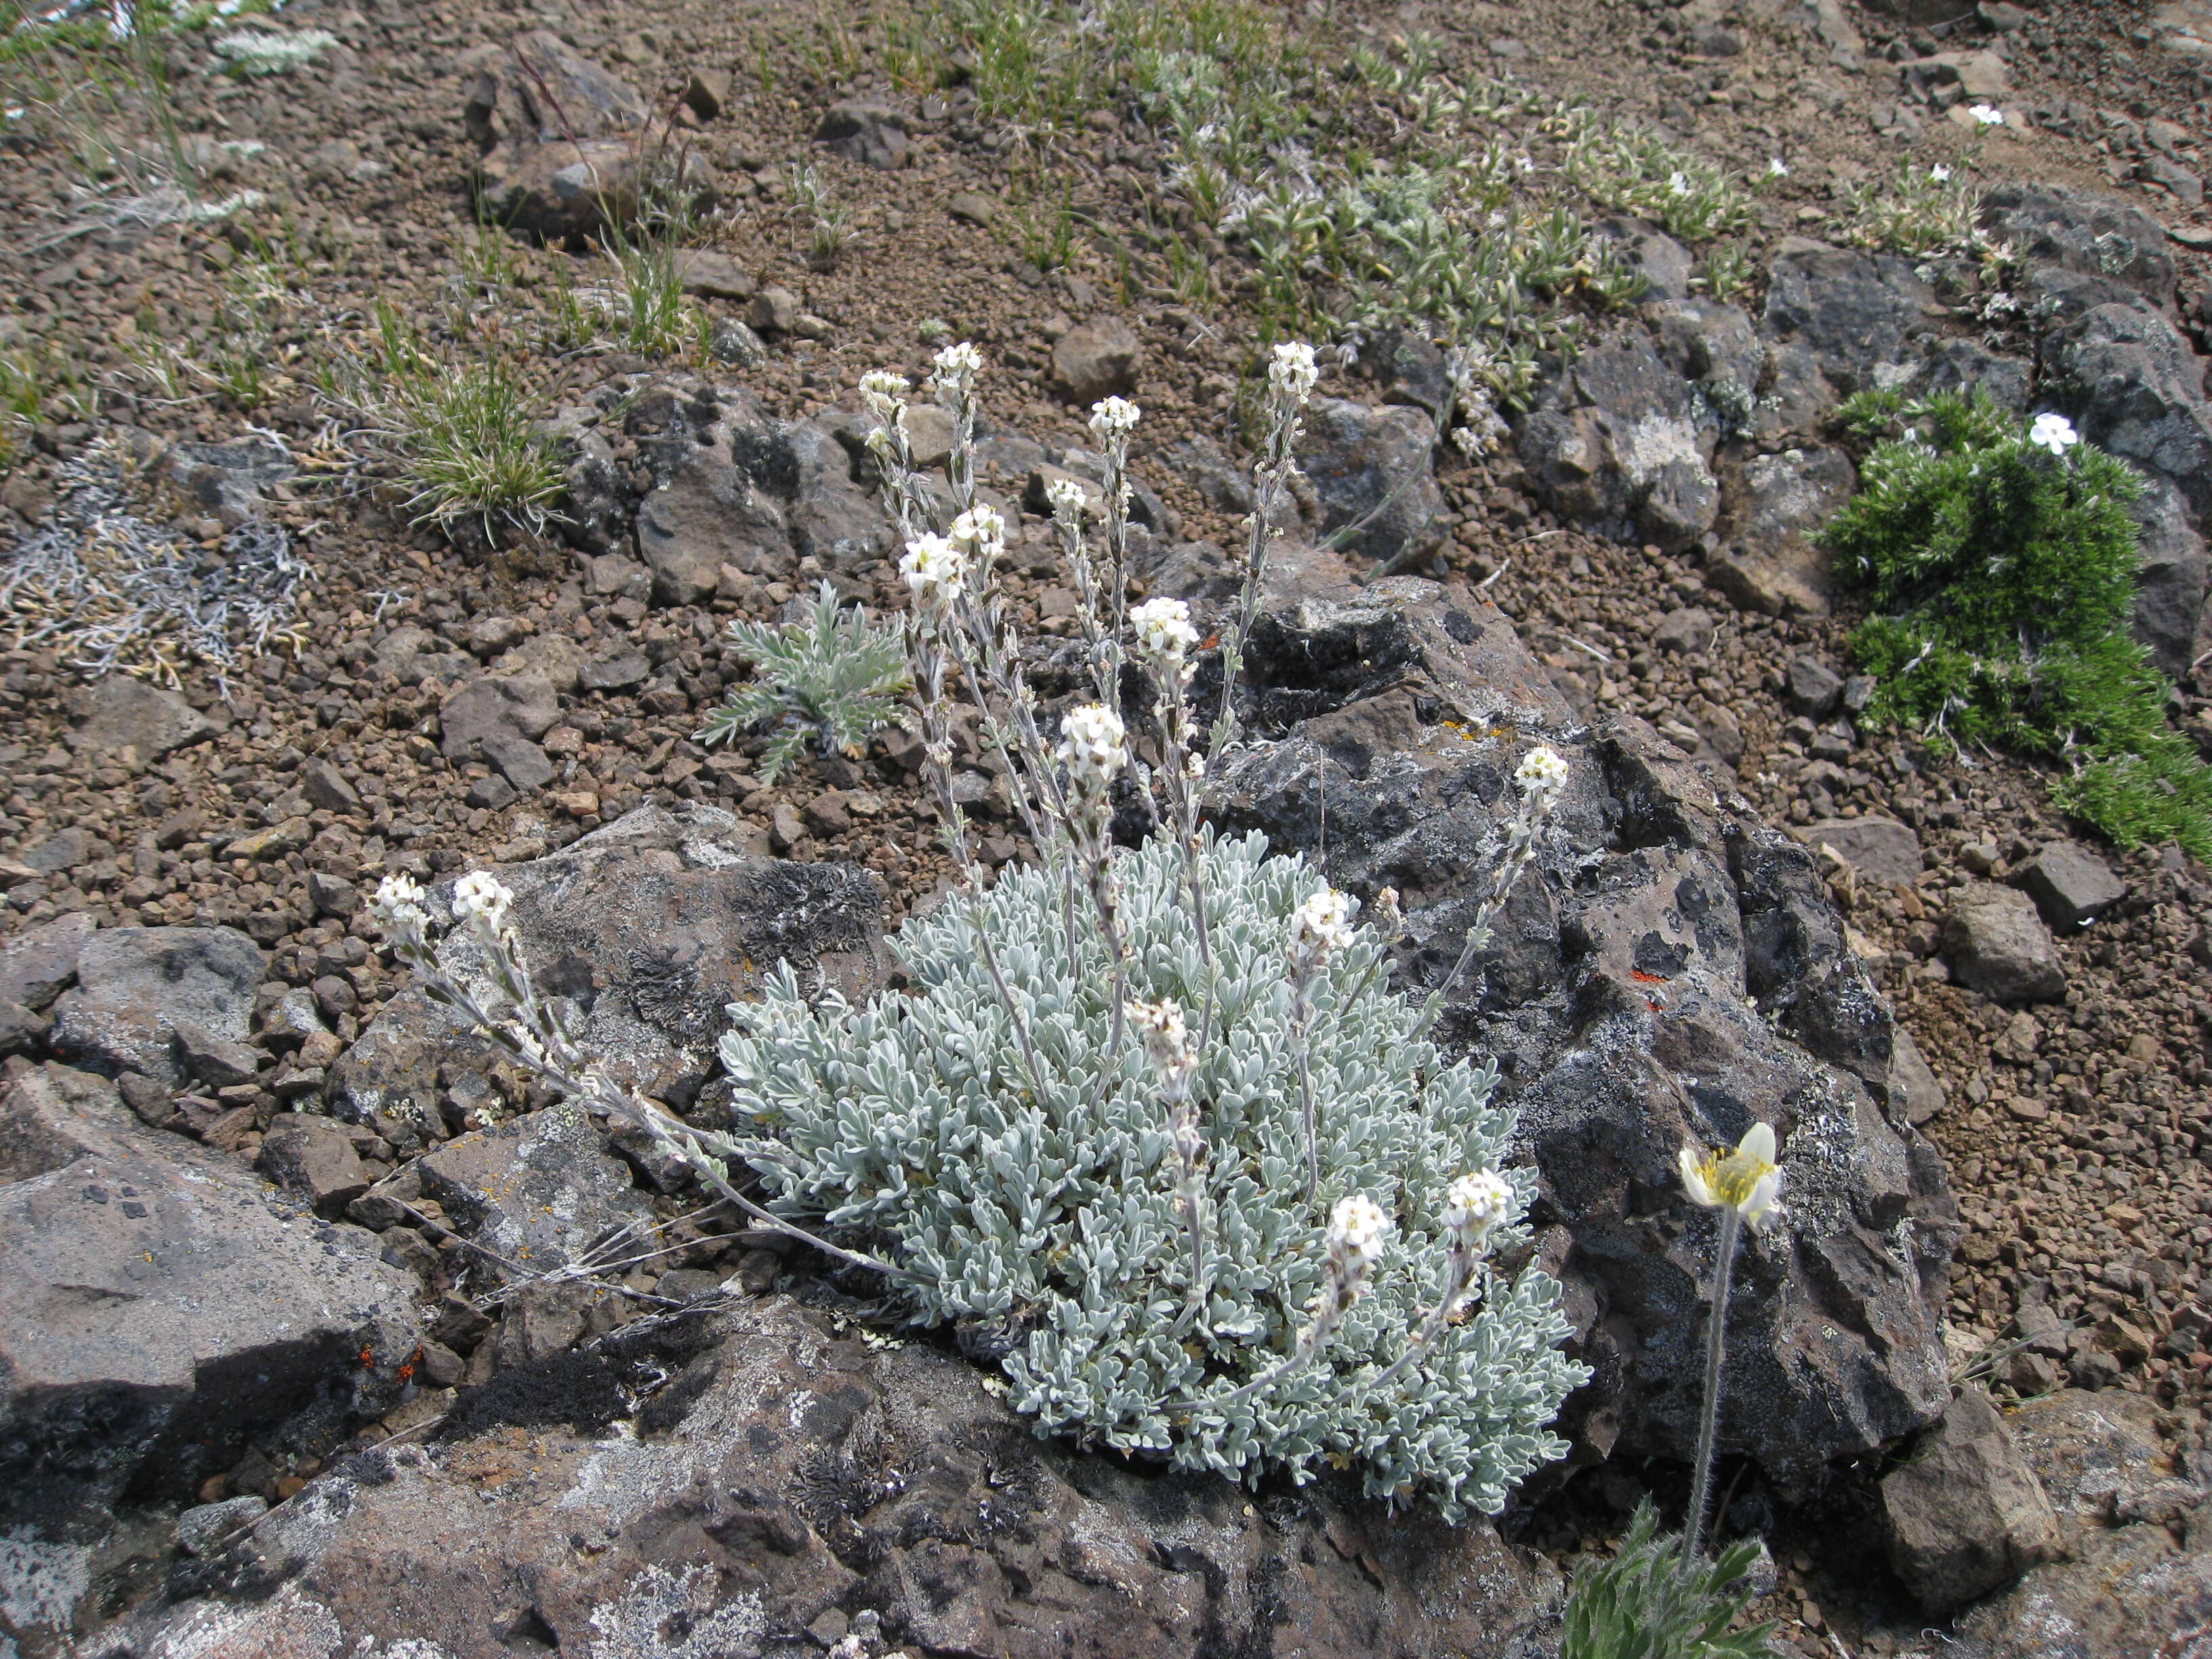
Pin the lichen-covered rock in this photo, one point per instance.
(1855, 312)
(1371, 472)
(1671, 970)
(1619, 444)
(782, 1482)
(135, 985)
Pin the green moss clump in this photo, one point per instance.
(2001, 577)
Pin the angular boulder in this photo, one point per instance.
(755, 1478)
(118, 713)
(1671, 970)
(136, 985)
(1372, 471)
(1618, 444)
(1997, 945)
(648, 926)
(1096, 359)
(1965, 1513)
(1854, 312)
(2070, 884)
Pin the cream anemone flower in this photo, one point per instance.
(1744, 1180)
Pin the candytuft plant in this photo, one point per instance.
(1146, 1127)
(831, 679)
(2001, 563)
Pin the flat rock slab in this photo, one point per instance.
(160, 1305)
(118, 714)
(540, 1190)
(1878, 849)
(780, 1478)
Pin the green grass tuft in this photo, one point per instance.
(2001, 578)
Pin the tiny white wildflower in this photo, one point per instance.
(1067, 500)
(1092, 746)
(884, 393)
(1939, 174)
(980, 531)
(933, 568)
(1358, 1229)
(957, 367)
(1164, 630)
(1540, 769)
(1322, 925)
(1777, 167)
(2054, 432)
(1987, 115)
(1293, 371)
(1114, 417)
(1476, 1206)
(398, 906)
(1679, 184)
(479, 898)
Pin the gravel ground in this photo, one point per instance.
(2078, 1132)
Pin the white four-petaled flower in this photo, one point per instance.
(1114, 417)
(1092, 746)
(1987, 115)
(479, 898)
(1322, 924)
(1291, 369)
(1358, 1229)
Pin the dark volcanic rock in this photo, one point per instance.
(135, 985)
(782, 1480)
(1619, 444)
(649, 926)
(1672, 970)
(1372, 471)
(160, 1307)
(1853, 312)
(2096, 235)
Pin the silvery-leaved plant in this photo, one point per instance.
(1149, 1128)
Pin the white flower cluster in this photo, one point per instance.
(1540, 771)
(1092, 747)
(398, 909)
(934, 567)
(957, 367)
(1322, 925)
(981, 533)
(1068, 501)
(1164, 637)
(1114, 417)
(1358, 1229)
(1476, 1206)
(1293, 371)
(482, 902)
(1167, 1043)
(884, 394)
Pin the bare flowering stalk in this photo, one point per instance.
(529, 1030)
(884, 394)
(1068, 506)
(1093, 750)
(1539, 775)
(1475, 1206)
(1320, 928)
(1167, 1045)
(1165, 640)
(953, 381)
(1112, 421)
(1291, 375)
(1358, 1229)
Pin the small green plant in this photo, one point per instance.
(1636, 172)
(2001, 563)
(831, 679)
(1921, 210)
(1642, 1603)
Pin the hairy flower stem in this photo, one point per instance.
(1709, 1418)
(1301, 1029)
(1271, 475)
(1520, 849)
(537, 1042)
